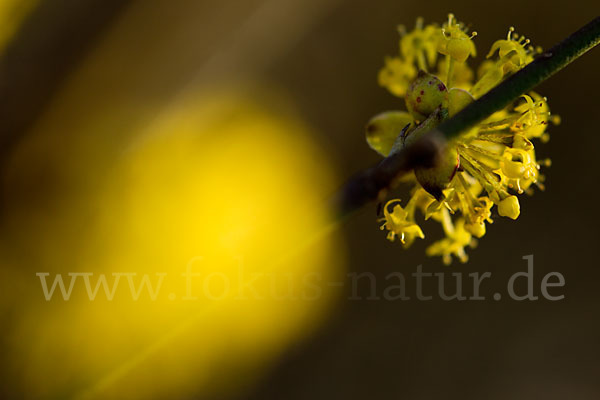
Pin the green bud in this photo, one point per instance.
(425, 94)
(383, 129)
(435, 179)
(458, 99)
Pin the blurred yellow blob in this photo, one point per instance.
(210, 235)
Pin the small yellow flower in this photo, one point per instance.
(483, 170)
(397, 75)
(514, 51)
(457, 238)
(420, 45)
(519, 168)
(455, 42)
(399, 224)
(534, 118)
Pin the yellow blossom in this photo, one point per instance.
(399, 224)
(486, 167)
(420, 45)
(455, 42)
(397, 75)
(457, 238)
(514, 51)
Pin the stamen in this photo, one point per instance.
(510, 31)
(419, 23)
(467, 194)
(540, 185)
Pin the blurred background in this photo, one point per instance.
(152, 136)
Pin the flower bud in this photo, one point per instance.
(455, 42)
(425, 95)
(435, 179)
(383, 129)
(460, 48)
(457, 100)
(509, 207)
(476, 229)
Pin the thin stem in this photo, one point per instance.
(449, 82)
(372, 184)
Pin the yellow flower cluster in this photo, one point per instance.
(486, 166)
